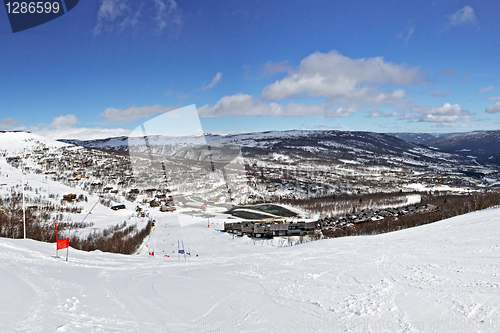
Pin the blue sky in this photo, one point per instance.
(387, 66)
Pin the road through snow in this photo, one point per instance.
(442, 277)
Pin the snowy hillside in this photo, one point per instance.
(17, 142)
(442, 277)
(483, 146)
(50, 170)
(338, 147)
(245, 169)
(293, 164)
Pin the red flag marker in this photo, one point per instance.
(62, 243)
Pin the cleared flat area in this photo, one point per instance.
(430, 278)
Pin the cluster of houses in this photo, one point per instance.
(75, 166)
(166, 203)
(273, 228)
(368, 215)
(69, 197)
(285, 181)
(118, 207)
(14, 159)
(94, 171)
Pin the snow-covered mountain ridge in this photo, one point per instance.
(331, 145)
(483, 146)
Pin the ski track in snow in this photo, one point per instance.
(432, 278)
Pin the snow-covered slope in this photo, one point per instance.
(17, 142)
(442, 277)
(46, 184)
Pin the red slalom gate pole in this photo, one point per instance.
(67, 249)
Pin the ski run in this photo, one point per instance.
(442, 277)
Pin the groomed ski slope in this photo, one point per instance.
(443, 277)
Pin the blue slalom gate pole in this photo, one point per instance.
(183, 251)
(67, 249)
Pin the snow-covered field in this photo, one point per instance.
(443, 277)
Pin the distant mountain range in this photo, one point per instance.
(463, 148)
(339, 147)
(413, 137)
(483, 146)
(419, 138)
(108, 144)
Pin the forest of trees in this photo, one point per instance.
(448, 206)
(41, 217)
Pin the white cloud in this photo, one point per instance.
(333, 112)
(347, 84)
(409, 117)
(62, 126)
(374, 113)
(133, 113)
(457, 126)
(167, 15)
(389, 96)
(138, 15)
(214, 81)
(493, 98)
(406, 36)
(64, 121)
(115, 13)
(446, 109)
(9, 123)
(432, 118)
(486, 89)
(80, 133)
(448, 72)
(326, 127)
(437, 93)
(247, 72)
(462, 17)
(246, 105)
(272, 68)
(495, 108)
(344, 80)
(447, 113)
(179, 94)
